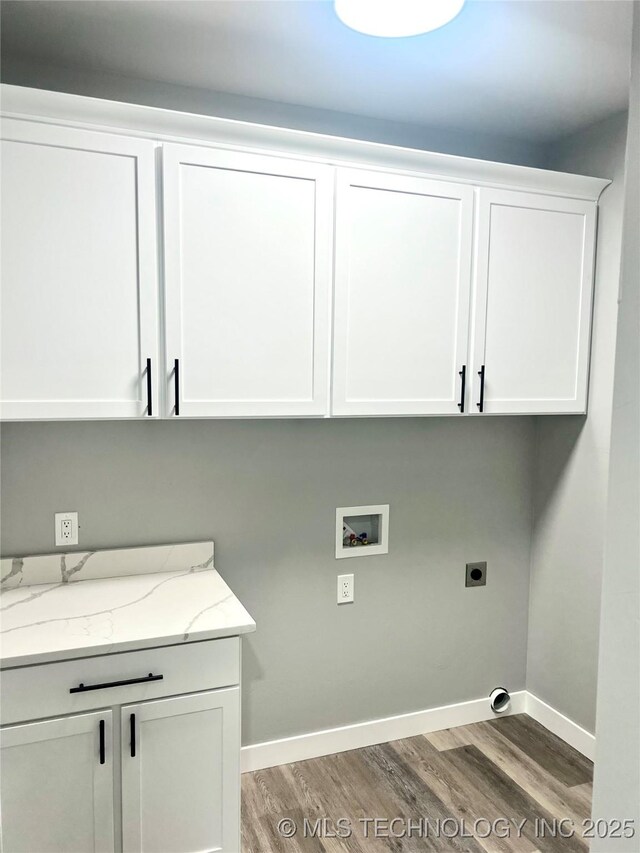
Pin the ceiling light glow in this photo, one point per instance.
(396, 18)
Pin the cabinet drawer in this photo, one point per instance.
(34, 692)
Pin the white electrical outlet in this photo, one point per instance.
(345, 589)
(66, 528)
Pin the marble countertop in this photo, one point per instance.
(58, 621)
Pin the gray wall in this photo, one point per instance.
(267, 491)
(458, 491)
(485, 146)
(572, 465)
(617, 776)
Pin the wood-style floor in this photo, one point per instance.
(487, 779)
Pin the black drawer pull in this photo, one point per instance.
(176, 381)
(132, 742)
(102, 759)
(149, 390)
(463, 381)
(480, 405)
(82, 688)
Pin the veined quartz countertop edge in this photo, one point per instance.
(52, 622)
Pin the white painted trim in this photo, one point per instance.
(562, 726)
(170, 125)
(314, 744)
(272, 753)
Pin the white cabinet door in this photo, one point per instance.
(57, 785)
(181, 774)
(248, 274)
(534, 284)
(79, 283)
(402, 284)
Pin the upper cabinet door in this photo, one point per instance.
(248, 273)
(79, 282)
(402, 283)
(534, 281)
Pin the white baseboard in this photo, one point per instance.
(314, 744)
(562, 726)
(329, 741)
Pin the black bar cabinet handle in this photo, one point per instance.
(83, 688)
(481, 375)
(102, 759)
(176, 379)
(149, 398)
(132, 729)
(463, 381)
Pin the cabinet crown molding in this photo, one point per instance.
(168, 125)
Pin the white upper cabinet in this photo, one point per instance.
(248, 245)
(295, 283)
(79, 283)
(402, 284)
(534, 279)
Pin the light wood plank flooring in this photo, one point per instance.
(487, 779)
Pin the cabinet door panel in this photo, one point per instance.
(533, 296)
(79, 281)
(181, 790)
(56, 795)
(403, 274)
(248, 265)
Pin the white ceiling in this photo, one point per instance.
(533, 69)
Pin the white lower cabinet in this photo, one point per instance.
(57, 785)
(156, 771)
(180, 771)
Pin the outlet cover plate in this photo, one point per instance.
(66, 526)
(345, 589)
(472, 578)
